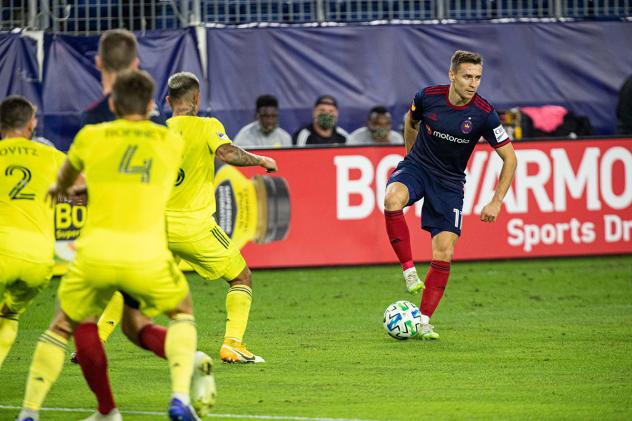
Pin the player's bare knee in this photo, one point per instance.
(394, 202)
(185, 306)
(443, 254)
(62, 325)
(129, 331)
(396, 197)
(132, 323)
(244, 278)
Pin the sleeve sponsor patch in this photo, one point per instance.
(500, 134)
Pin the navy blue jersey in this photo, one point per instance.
(448, 133)
(99, 112)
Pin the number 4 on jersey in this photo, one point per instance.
(126, 166)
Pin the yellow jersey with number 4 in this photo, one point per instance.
(27, 170)
(130, 169)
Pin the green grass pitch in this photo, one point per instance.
(526, 339)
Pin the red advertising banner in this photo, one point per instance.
(325, 206)
(569, 197)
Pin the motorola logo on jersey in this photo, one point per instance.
(449, 138)
(429, 130)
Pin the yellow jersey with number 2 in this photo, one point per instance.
(27, 170)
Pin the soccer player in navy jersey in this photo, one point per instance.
(442, 127)
(118, 52)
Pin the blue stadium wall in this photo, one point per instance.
(579, 65)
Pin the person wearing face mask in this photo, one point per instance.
(322, 130)
(264, 132)
(377, 130)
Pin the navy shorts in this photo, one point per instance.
(443, 206)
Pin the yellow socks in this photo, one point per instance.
(238, 302)
(180, 347)
(8, 333)
(111, 316)
(48, 361)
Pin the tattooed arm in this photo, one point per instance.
(234, 155)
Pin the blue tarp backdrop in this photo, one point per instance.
(18, 68)
(579, 65)
(72, 82)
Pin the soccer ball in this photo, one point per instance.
(402, 320)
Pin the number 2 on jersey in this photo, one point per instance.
(16, 192)
(126, 166)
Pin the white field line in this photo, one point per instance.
(249, 417)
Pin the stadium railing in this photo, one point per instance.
(88, 17)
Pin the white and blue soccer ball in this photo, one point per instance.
(402, 319)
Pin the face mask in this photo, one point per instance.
(379, 133)
(326, 121)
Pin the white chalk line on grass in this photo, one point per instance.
(250, 417)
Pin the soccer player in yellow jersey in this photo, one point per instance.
(193, 234)
(27, 237)
(130, 166)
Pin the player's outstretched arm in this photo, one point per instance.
(65, 179)
(234, 155)
(490, 211)
(411, 129)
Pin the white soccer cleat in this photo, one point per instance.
(113, 415)
(28, 415)
(203, 389)
(413, 283)
(427, 332)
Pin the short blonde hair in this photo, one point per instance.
(459, 57)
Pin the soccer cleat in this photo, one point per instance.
(203, 389)
(427, 332)
(178, 411)
(413, 283)
(236, 352)
(113, 415)
(28, 415)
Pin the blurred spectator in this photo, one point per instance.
(553, 121)
(322, 129)
(265, 130)
(378, 130)
(624, 108)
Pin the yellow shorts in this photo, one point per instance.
(213, 256)
(88, 287)
(21, 281)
